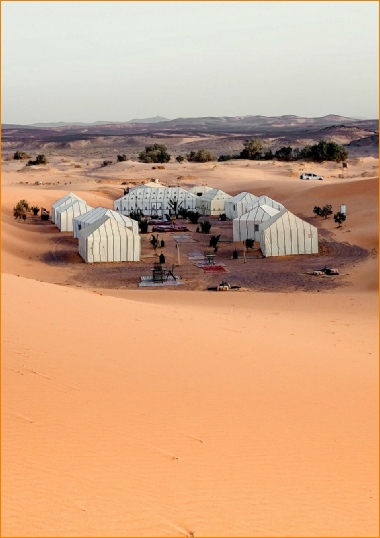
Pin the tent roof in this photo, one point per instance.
(265, 200)
(68, 196)
(259, 213)
(104, 226)
(81, 203)
(282, 215)
(95, 214)
(246, 196)
(215, 194)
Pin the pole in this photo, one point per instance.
(244, 253)
(179, 259)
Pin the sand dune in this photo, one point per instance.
(156, 413)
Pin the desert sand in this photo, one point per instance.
(133, 412)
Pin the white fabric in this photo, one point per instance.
(247, 226)
(154, 201)
(212, 202)
(95, 214)
(287, 234)
(67, 199)
(237, 205)
(67, 212)
(107, 240)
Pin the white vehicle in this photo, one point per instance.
(307, 175)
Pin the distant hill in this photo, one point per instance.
(156, 119)
(47, 125)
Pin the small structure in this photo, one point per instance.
(95, 214)
(67, 199)
(248, 225)
(107, 240)
(286, 234)
(65, 214)
(212, 202)
(237, 205)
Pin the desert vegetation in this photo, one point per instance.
(157, 153)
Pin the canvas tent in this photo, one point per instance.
(212, 203)
(285, 234)
(237, 205)
(265, 200)
(67, 199)
(92, 216)
(107, 240)
(199, 190)
(154, 200)
(247, 226)
(67, 212)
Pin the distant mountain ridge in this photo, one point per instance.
(47, 125)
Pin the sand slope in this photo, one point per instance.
(167, 420)
(156, 413)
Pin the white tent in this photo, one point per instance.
(212, 203)
(237, 205)
(91, 216)
(67, 212)
(286, 234)
(154, 200)
(265, 200)
(107, 240)
(67, 199)
(247, 226)
(199, 190)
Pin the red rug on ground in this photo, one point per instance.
(214, 269)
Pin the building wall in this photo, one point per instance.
(98, 248)
(289, 235)
(154, 201)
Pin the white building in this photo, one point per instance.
(286, 234)
(154, 200)
(199, 190)
(107, 240)
(248, 225)
(67, 212)
(265, 200)
(212, 203)
(67, 199)
(237, 205)
(92, 216)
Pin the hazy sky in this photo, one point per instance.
(89, 61)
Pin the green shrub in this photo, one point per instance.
(193, 216)
(40, 159)
(252, 149)
(214, 239)
(143, 224)
(339, 218)
(205, 226)
(19, 155)
(106, 163)
(180, 159)
(200, 156)
(248, 243)
(155, 154)
(121, 158)
(223, 216)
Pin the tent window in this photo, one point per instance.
(256, 227)
(234, 207)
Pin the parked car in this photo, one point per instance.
(307, 175)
